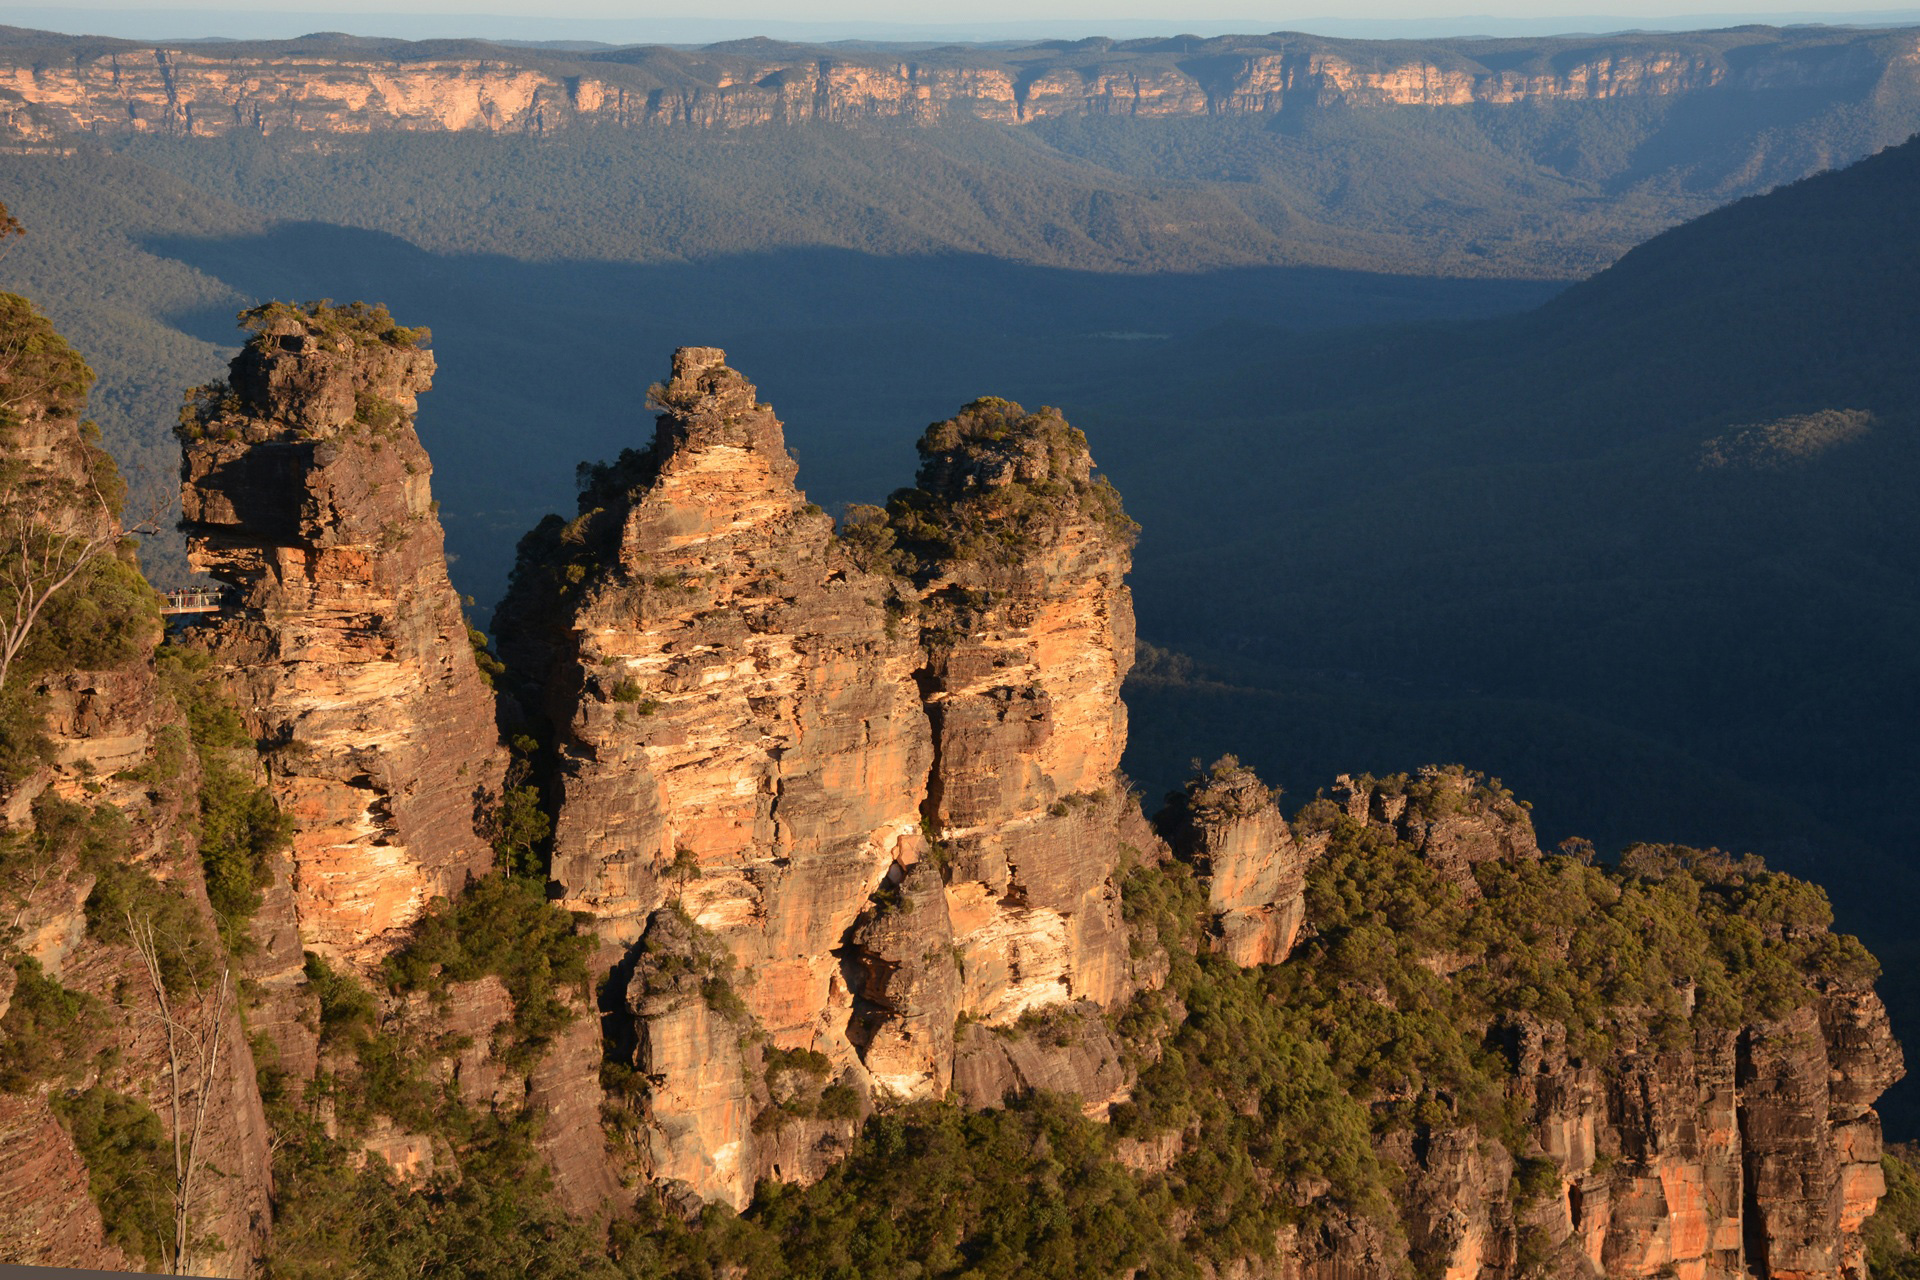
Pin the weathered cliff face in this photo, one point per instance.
(887, 790)
(738, 724)
(1227, 825)
(737, 732)
(306, 494)
(1020, 557)
(312, 86)
(117, 1000)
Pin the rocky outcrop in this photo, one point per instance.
(1452, 817)
(1068, 1050)
(879, 770)
(737, 732)
(1228, 827)
(735, 718)
(306, 494)
(1019, 555)
(316, 85)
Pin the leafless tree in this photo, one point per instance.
(194, 1046)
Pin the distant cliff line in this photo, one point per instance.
(57, 85)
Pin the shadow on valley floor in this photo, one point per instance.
(543, 365)
(1470, 531)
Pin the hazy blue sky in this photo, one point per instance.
(687, 21)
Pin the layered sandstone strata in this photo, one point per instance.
(313, 86)
(880, 780)
(1728, 1151)
(1020, 554)
(739, 747)
(306, 494)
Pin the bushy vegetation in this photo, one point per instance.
(366, 325)
(501, 925)
(70, 591)
(49, 1033)
(996, 485)
(240, 826)
(1893, 1233)
(339, 1212)
(129, 1168)
(486, 1208)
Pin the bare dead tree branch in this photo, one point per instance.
(203, 1045)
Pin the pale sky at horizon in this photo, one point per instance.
(681, 21)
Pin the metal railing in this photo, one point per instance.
(191, 600)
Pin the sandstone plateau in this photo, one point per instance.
(837, 811)
(52, 85)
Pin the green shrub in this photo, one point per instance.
(49, 1032)
(240, 825)
(129, 1169)
(503, 926)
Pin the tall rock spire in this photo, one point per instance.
(736, 719)
(1021, 555)
(306, 493)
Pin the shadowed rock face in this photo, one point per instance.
(102, 726)
(306, 493)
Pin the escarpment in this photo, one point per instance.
(306, 494)
(109, 87)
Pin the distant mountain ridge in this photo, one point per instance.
(52, 84)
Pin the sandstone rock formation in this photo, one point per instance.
(1453, 817)
(1227, 825)
(1019, 555)
(306, 494)
(1723, 1152)
(882, 779)
(97, 86)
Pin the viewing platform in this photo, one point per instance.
(191, 600)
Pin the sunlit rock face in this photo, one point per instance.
(306, 494)
(878, 771)
(1020, 555)
(310, 87)
(1227, 825)
(735, 712)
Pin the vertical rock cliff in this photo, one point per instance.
(737, 732)
(306, 495)
(1227, 825)
(120, 1028)
(1020, 556)
(879, 769)
(1686, 1107)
